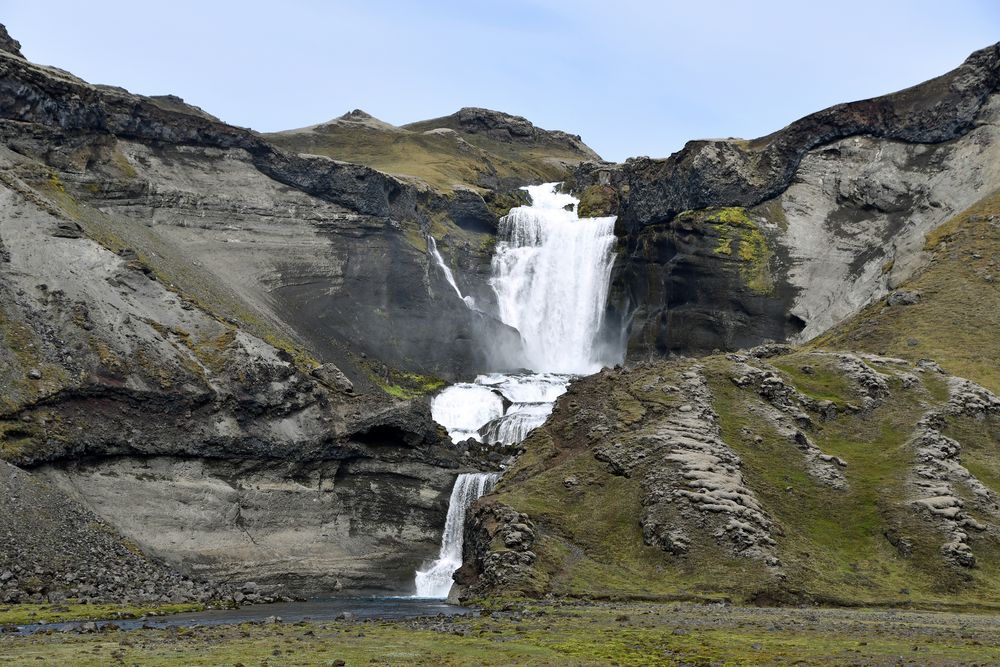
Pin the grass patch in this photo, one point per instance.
(816, 376)
(26, 614)
(443, 161)
(634, 635)
(404, 385)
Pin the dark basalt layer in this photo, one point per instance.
(730, 172)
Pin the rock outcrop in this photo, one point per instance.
(52, 548)
(940, 470)
(685, 464)
(731, 242)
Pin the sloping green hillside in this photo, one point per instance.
(792, 478)
(957, 318)
(443, 152)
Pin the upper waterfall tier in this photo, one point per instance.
(551, 272)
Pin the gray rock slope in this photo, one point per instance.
(222, 349)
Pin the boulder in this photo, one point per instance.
(334, 378)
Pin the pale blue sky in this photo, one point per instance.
(634, 78)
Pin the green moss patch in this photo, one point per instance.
(741, 239)
(633, 635)
(26, 614)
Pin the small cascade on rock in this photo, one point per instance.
(435, 581)
(550, 273)
(448, 274)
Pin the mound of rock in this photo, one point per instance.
(52, 548)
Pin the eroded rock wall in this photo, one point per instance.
(836, 204)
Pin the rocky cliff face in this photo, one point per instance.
(357, 277)
(219, 345)
(136, 400)
(778, 474)
(731, 242)
(222, 349)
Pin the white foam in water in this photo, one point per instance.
(463, 409)
(532, 388)
(520, 420)
(550, 274)
(436, 581)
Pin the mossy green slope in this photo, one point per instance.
(445, 160)
(836, 546)
(957, 318)
(547, 634)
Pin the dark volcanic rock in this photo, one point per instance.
(486, 569)
(52, 548)
(8, 43)
(733, 173)
(841, 200)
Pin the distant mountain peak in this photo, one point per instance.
(357, 114)
(8, 43)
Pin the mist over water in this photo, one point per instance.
(550, 272)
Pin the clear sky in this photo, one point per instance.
(633, 78)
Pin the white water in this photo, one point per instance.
(435, 581)
(463, 408)
(550, 273)
(449, 276)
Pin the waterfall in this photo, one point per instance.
(551, 272)
(449, 276)
(435, 581)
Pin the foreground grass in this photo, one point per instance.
(550, 634)
(26, 614)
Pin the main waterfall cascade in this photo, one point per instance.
(550, 273)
